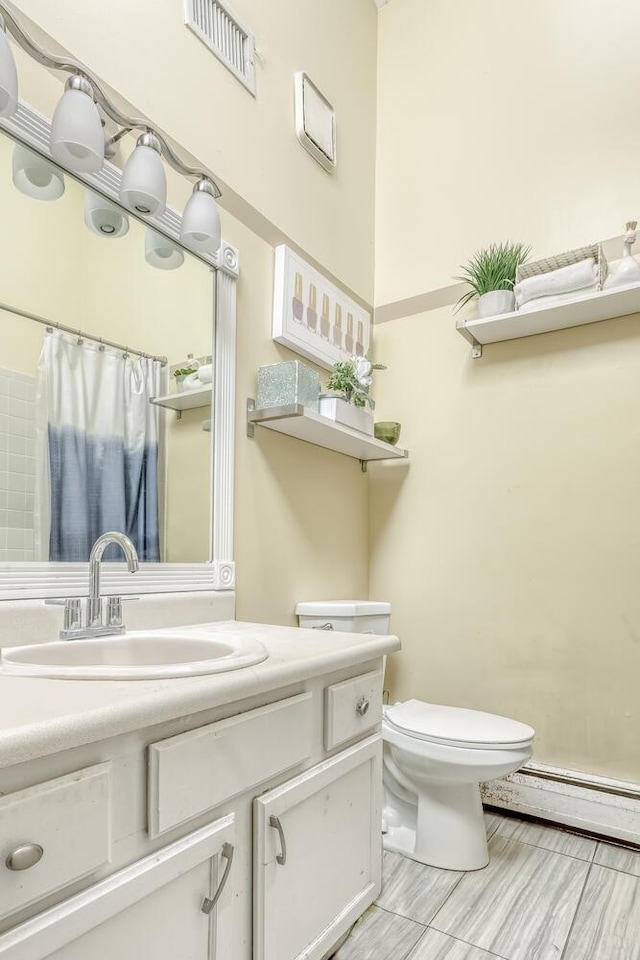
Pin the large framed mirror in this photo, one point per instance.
(117, 359)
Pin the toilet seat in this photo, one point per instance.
(458, 727)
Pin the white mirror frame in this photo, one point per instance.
(25, 581)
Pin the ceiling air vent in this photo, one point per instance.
(212, 22)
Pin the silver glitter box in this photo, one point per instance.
(280, 384)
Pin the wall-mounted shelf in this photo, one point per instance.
(606, 305)
(296, 421)
(187, 400)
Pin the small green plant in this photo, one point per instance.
(184, 371)
(492, 269)
(352, 378)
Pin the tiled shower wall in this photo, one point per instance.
(17, 465)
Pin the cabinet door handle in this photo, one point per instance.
(281, 858)
(24, 856)
(209, 903)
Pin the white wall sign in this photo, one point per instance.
(312, 316)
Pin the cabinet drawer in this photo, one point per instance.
(352, 708)
(196, 771)
(69, 818)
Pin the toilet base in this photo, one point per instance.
(446, 829)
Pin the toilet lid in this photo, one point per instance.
(457, 726)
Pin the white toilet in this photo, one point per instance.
(435, 757)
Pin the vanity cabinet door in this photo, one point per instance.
(156, 908)
(317, 855)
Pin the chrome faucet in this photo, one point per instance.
(95, 622)
(94, 603)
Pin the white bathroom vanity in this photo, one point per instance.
(222, 817)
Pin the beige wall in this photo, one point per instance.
(510, 546)
(144, 51)
(301, 517)
(301, 512)
(501, 119)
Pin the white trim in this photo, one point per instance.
(33, 581)
(599, 805)
(223, 417)
(22, 581)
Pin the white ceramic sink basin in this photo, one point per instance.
(134, 656)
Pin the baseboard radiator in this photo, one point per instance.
(608, 808)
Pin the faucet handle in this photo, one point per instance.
(114, 612)
(72, 614)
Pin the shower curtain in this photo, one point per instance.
(98, 439)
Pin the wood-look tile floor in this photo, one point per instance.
(546, 895)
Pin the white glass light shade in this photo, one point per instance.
(144, 182)
(35, 176)
(8, 78)
(104, 217)
(77, 139)
(162, 253)
(201, 223)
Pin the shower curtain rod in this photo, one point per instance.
(52, 324)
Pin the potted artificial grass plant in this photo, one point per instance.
(491, 275)
(349, 384)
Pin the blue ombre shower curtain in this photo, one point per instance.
(98, 435)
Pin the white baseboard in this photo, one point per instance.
(594, 804)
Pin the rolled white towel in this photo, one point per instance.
(577, 276)
(205, 373)
(540, 303)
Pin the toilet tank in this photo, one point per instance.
(350, 616)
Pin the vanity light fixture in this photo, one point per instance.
(103, 217)
(201, 220)
(35, 176)
(77, 138)
(160, 252)
(144, 183)
(78, 142)
(8, 76)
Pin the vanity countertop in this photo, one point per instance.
(39, 717)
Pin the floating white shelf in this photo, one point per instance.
(296, 421)
(187, 400)
(607, 305)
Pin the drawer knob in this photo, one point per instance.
(362, 706)
(24, 856)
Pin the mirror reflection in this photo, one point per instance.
(104, 425)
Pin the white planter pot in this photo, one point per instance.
(335, 408)
(495, 303)
(189, 382)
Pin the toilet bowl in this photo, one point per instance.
(435, 758)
